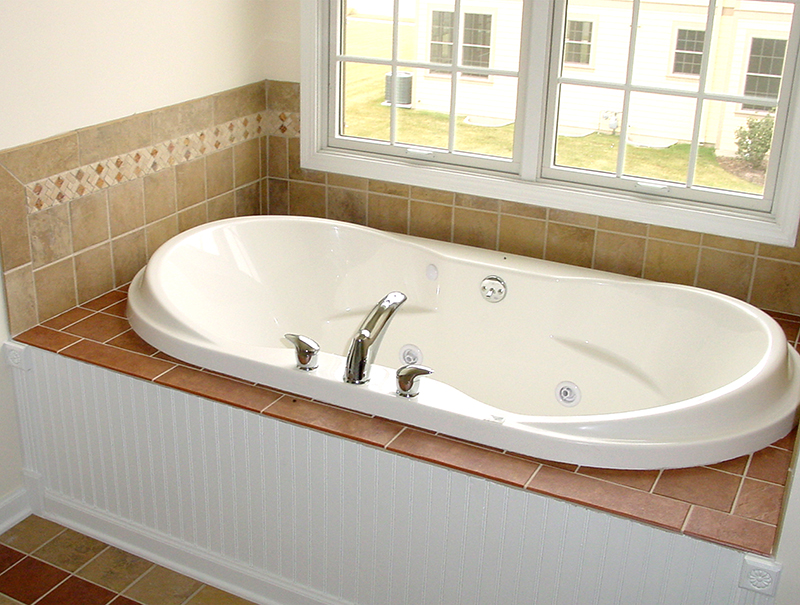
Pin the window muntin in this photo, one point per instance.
(324, 148)
(764, 70)
(442, 37)
(578, 42)
(688, 52)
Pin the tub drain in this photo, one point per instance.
(568, 394)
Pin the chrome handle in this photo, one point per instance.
(407, 379)
(307, 351)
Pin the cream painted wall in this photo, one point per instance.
(10, 445)
(67, 65)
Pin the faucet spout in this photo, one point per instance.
(365, 343)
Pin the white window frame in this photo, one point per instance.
(777, 226)
(676, 51)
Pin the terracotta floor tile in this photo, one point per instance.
(77, 592)
(213, 596)
(770, 464)
(115, 569)
(219, 387)
(60, 322)
(69, 550)
(120, 600)
(4, 600)
(8, 556)
(47, 339)
(610, 497)
(338, 421)
(130, 341)
(642, 480)
(703, 486)
(454, 454)
(760, 501)
(119, 309)
(117, 359)
(161, 586)
(787, 443)
(30, 533)
(29, 579)
(730, 530)
(736, 466)
(99, 327)
(106, 300)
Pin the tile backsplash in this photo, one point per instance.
(82, 212)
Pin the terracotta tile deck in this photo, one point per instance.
(736, 502)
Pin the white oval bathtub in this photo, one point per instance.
(668, 375)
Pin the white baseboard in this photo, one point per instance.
(14, 508)
(182, 557)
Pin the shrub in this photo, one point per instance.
(754, 141)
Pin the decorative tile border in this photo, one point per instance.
(73, 184)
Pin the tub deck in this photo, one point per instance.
(736, 503)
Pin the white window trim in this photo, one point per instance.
(778, 227)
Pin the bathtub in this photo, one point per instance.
(572, 365)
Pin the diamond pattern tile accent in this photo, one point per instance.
(73, 184)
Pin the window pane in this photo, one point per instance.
(689, 52)
(589, 121)
(764, 71)
(578, 47)
(485, 116)
(427, 124)
(363, 92)
(736, 152)
(659, 136)
(368, 34)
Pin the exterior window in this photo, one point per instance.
(623, 139)
(689, 52)
(764, 71)
(578, 43)
(476, 43)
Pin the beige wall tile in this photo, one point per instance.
(278, 157)
(126, 207)
(569, 244)
(278, 196)
(775, 286)
(184, 118)
(192, 217)
(387, 212)
(526, 210)
(728, 243)
(159, 232)
(55, 288)
(619, 253)
(306, 199)
(130, 254)
(94, 272)
(520, 235)
(780, 252)
(15, 248)
(247, 162)
(475, 228)
(159, 195)
(725, 272)
(674, 235)
(115, 138)
(671, 262)
(42, 159)
(389, 188)
(432, 195)
(577, 219)
(248, 200)
(242, 101)
(21, 296)
(295, 171)
(222, 206)
(51, 236)
(434, 221)
(219, 173)
(347, 205)
(89, 218)
(477, 202)
(283, 96)
(190, 183)
(621, 226)
(349, 182)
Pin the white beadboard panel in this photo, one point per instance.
(282, 514)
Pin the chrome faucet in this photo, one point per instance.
(365, 343)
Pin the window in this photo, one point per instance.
(689, 52)
(764, 70)
(578, 44)
(624, 139)
(476, 45)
